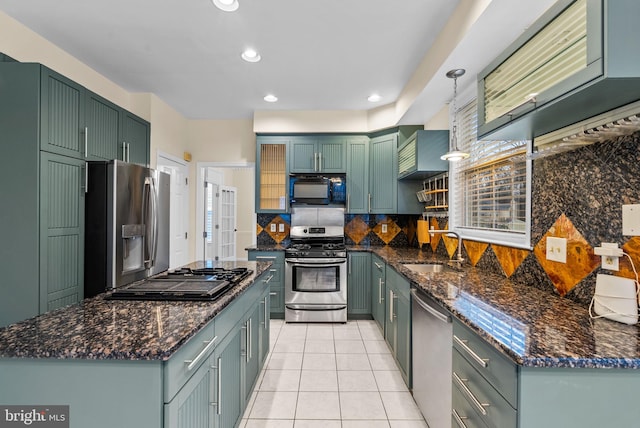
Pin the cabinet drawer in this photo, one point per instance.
(462, 413)
(493, 409)
(497, 369)
(185, 362)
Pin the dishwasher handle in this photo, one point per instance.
(427, 307)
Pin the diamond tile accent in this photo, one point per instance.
(392, 230)
(278, 236)
(632, 247)
(581, 260)
(259, 229)
(509, 258)
(357, 229)
(475, 250)
(450, 243)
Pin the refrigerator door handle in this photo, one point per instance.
(151, 221)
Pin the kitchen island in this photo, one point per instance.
(141, 363)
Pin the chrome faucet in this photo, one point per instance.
(459, 258)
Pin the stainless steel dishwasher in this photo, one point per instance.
(431, 338)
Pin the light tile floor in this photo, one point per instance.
(330, 376)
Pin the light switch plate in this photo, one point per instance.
(631, 220)
(557, 249)
(384, 228)
(273, 227)
(281, 227)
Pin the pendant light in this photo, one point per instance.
(454, 154)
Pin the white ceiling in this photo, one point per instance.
(316, 55)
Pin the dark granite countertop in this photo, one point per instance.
(532, 327)
(99, 329)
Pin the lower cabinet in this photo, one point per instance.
(358, 285)
(378, 279)
(225, 368)
(276, 283)
(398, 321)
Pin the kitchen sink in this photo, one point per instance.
(426, 267)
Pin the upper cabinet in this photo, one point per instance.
(357, 175)
(571, 64)
(272, 177)
(318, 154)
(419, 156)
(383, 176)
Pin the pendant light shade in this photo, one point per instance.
(454, 154)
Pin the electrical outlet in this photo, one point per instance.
(281, 227)
(631, 220)
(557, 249)
(384, 228)
(273, 227)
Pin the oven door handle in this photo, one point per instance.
(316, 262)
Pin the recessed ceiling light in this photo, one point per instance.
(251, 55)
(270, 98)
(226, 5)
(374, 98)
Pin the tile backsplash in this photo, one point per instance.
(576, 195)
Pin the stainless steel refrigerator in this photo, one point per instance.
(126, 225)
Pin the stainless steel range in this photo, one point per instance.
(316, 266)
(183, 284)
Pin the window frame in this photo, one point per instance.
(456, 214)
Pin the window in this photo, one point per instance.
(491, 189)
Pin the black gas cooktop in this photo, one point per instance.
(183, 284)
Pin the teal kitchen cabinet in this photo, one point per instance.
(251, 351)
(135, 138)
(318, 154)
(357, 175)
(102, 128)
(62, 181)
(62, 114)
(226, 362)
(568, 66)
(419, 156)
(276, 283)
(398, 321)
(383, 167)
(44, 220)
(272, 176)
(378, 280)
(358, 285)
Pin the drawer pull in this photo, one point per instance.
(459, 419)
(268, 280)
(461, 383)
(193, 363)
(463, 343)
(377, 265)
(273, 293)
(265, 258)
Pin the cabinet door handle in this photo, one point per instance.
(319, 161)
(461, 383)
(250, 341)
(315, 161)
(459, 419)
(124, 151)
(463, 343)
(194, 363)
(369, 208)
(85, 187)
(349, 265)
(86, 141)
(218, 387)
(128, 152)
(391, 305)
(264, 302)
(379, 291)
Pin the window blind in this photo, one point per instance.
(491, 187)
(556, 52)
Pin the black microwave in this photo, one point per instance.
(317, 189)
